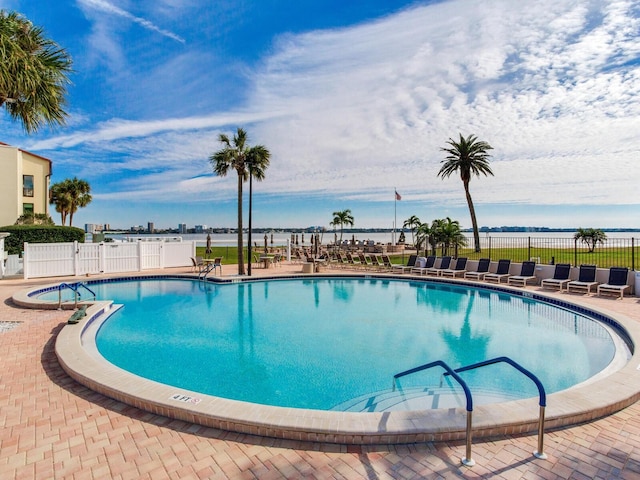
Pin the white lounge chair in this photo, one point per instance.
(423, 264)
(406, 268)
(560, 277)
(458, 269)
(444, 265)
(617, 282)
(527, 274)
(500, 273)
(586, 280)
(480, 271)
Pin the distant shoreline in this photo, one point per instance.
(349, 231)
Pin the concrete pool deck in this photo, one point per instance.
(55, 427)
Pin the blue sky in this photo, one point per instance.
(353, 99)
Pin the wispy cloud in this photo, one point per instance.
(108, 7)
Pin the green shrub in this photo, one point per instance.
(38, 234)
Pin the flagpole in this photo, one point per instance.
(395, 213)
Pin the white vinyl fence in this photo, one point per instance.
(63, 259)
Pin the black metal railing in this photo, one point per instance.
(613, 252)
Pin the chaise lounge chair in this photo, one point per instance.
(527, 273)
(197, 263)
(458, 269)
(386, 261)
(501, 272)
(420, 267)
(560, 277)
(406, 268)
(617, 282)
(586, 280)
(481, 270)
(444, 265)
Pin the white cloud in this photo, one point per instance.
(358, 111)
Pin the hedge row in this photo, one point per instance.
(20, 234)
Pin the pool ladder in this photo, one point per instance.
(467, 460)
(75, 287)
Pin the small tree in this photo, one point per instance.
(590, 236)
(342, 218)
(413, 223)
(68, 196)
(423, 235)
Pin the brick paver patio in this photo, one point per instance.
(52, 427)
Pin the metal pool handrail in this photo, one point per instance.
(541, 392)
(74, 287)
(468, 461)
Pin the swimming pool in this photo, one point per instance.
(335, 343)
(605, 393)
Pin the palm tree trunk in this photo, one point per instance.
(474, 222)
(240, 246)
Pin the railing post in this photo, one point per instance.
(467, 460)
(633, 254)
(540, 452)
(575, 252)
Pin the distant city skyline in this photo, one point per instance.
(354, 101)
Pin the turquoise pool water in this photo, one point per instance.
(320, 343)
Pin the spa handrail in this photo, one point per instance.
(74, 287)
(541, 392)
(467, 460)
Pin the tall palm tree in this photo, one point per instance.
(469, 157)
(33, 73)
(413, 223)
(68, 196)
(342, 218)
(246, 161)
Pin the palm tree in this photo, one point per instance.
(58, 196)
(68, 196)
(436, 234)
(246, 161)
(342, 218)
(450, 234)
(413, 223)
(468, 156)
(423, 235)
(33, 73)
(79, 194)
(590, 236)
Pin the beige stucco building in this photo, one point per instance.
(24, 183)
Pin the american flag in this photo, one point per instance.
(398, 197)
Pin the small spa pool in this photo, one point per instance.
(335, 343)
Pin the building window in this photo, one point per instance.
(27, 186)
(27, 208)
